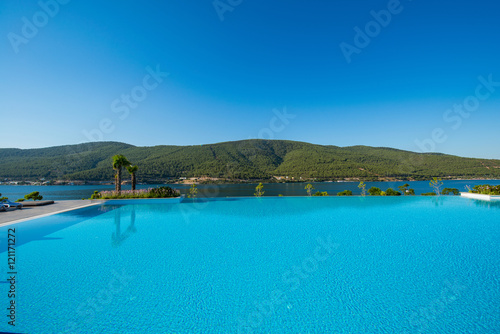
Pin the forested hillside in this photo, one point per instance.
(240, 160)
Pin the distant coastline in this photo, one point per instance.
(189, 182)
(245, 161)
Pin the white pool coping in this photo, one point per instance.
(481, 196)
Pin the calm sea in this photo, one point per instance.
(233, 190)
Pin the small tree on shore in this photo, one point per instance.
(34, 196)
(309, 188)
(404, 188)
(436, 184)
(192, 191)
(259, 192)
(362, 186)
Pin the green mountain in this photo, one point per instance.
(247, 159)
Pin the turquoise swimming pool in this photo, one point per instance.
(249, 265)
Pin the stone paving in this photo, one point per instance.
(14, 215)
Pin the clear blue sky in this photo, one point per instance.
(227, 76)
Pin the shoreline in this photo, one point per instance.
(97, 183)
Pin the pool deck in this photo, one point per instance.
(15, 216)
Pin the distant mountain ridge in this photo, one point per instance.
(239, 160)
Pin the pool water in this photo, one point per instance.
(268, 265)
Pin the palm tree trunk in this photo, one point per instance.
(116, 180)
(133, 181)
(118, 184)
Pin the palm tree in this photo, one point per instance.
(132, 170)
(119, 161)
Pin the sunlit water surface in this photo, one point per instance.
(269, 265)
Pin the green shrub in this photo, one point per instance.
(319, 193)
(345, 193)
(163, 192)
(486, 189)
(451, 191)
(34, 196)
(392, 192)
(429, 194)
(160, 192)
(20, 200)
(374, 191)
(95, 195)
